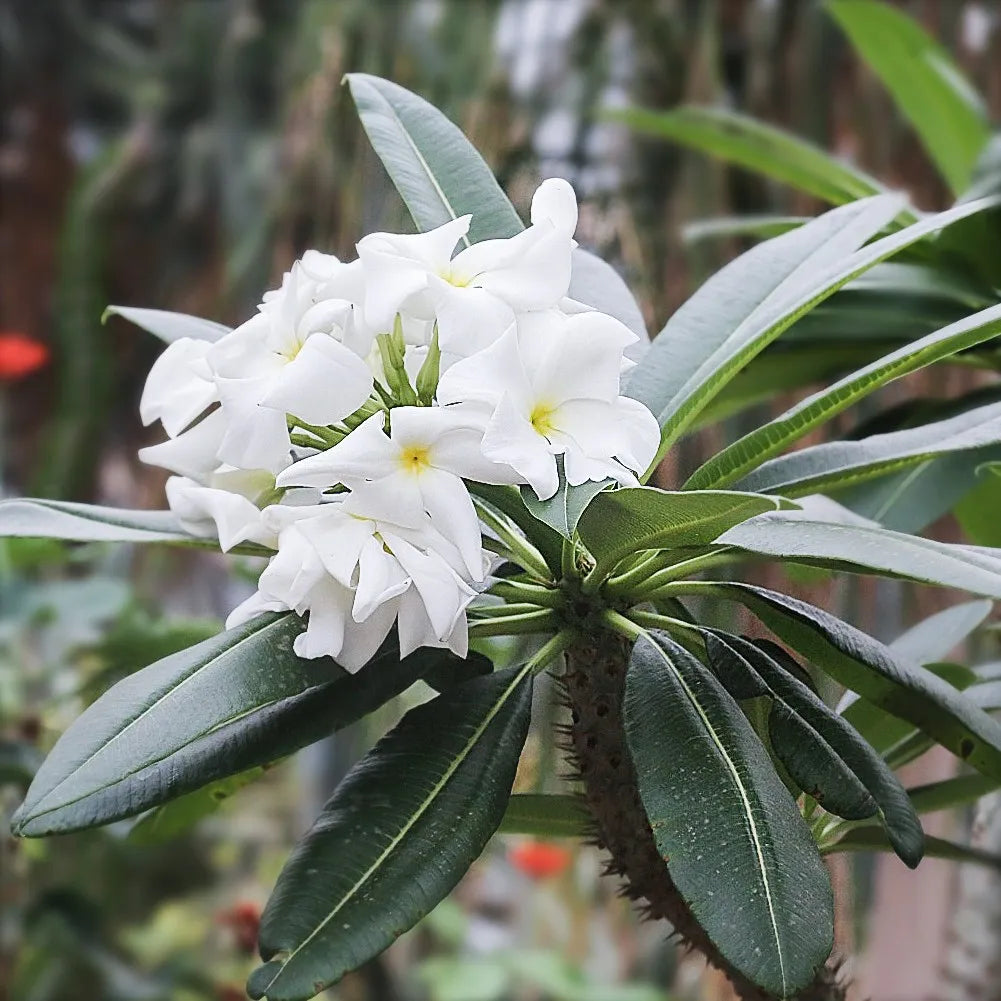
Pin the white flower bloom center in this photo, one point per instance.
(543, 418)
(415, 459)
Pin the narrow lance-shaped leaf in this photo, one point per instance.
(809, 759)
(896, 813)
(866, 666)
(169, 327)
(29, 517)
(754, 145)
(743, 308)
(238, 700)
(734, 841)
(926, 84)
(745, 454)
(844, 463)
(934, 638)
(398, 834)
(441, 176)
(867, 548)
(873, 839)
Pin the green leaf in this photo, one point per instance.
(435, 168)
(618, 523)
(596, 283)
(760, 227)
(977, 512)
(934, 638)
(509, 502)
(950, 793)
(844, 463)
(747, 305)
(231, 703)
(872, 839)
(563, 510)
(912, 499)
(839, 740)
(398, 834)
(440, 176)
(736, 845)
(866, 666)
(926, 84)
(811, 762)
(169, 327)
(546, 816)
(768, 440)
(35, 517)
(749, 143)
(177, 817)
(866, 548)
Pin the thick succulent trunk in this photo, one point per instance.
(594, 682)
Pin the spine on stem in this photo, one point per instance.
(594, 682)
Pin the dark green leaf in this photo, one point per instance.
(735, 843)
(398, 834)
(834, 738)
(863, 664)
(228, 704)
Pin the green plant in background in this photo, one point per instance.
(711, 770)
(932, 282)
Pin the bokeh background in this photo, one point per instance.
(180, 154)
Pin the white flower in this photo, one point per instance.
(550, 386)
(302, 354)
(420, 465)
(357, 564)
(226, 508)
(180, 386)
(475, 295)
(193, 453)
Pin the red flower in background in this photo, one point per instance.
(20, 355)
(539, 859)
(245, 921)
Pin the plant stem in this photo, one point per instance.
(514, 625)
(502, 611)
(568, 560)
(653, 620)
(680, 571)
(549, 651)
(520, 550)
(520, 591)
(643, 571)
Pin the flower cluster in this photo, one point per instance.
(341, 424)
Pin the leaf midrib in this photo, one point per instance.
(749, 814)
(425, 166)
(396, 839)
(153, 705)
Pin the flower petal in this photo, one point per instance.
(179, 387)
(323, 384)
(511, 439)
(193, 453)
(555, 202)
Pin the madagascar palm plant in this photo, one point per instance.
(710, 769)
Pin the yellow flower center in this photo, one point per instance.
(542, 420)
(416, 459)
